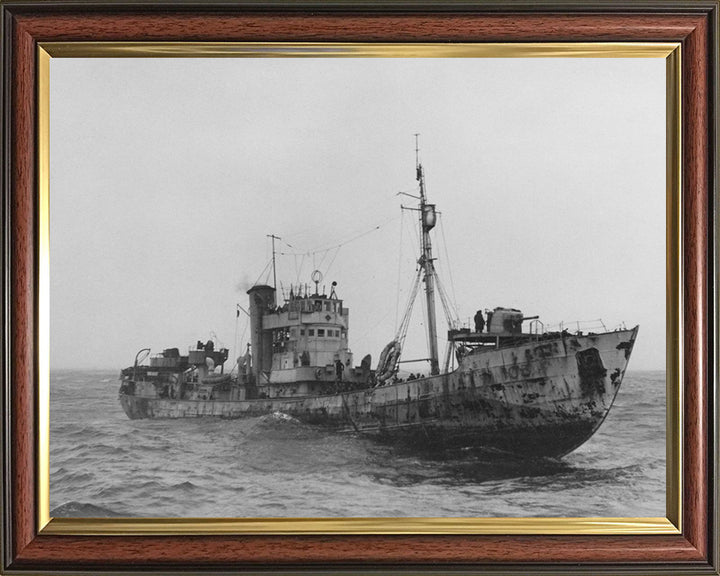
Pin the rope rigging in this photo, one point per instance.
(264, 270)
(397, 286)
(405, 324)
(447, 264)
(451, 315)
(325, 251)
(390, 356)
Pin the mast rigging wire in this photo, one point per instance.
(325, 252)
(263, 272)
(358, 236)
(397, 286)
(451, 314)
(326, 249)
(447, 263)
(327, 270)
(405, 324)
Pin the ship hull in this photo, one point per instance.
(540, 398)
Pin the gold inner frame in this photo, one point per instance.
(671, 524)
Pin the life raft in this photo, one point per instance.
(387, 364)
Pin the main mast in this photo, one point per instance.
(427, 223)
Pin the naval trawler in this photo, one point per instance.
(502, 389)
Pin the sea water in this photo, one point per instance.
(104, 464)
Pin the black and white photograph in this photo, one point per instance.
(357, 287)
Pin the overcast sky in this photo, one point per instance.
(166, 175)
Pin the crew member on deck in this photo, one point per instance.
(479, 321)
(339, 369)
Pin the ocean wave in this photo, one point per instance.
(279, 417)
(74, 477)
(186, 486)
(84, 510)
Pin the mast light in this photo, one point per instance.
(429, 216)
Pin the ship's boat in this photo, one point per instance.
(502, 389)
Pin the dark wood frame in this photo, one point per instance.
(693, 23)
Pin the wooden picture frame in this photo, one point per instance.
(28, 547)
